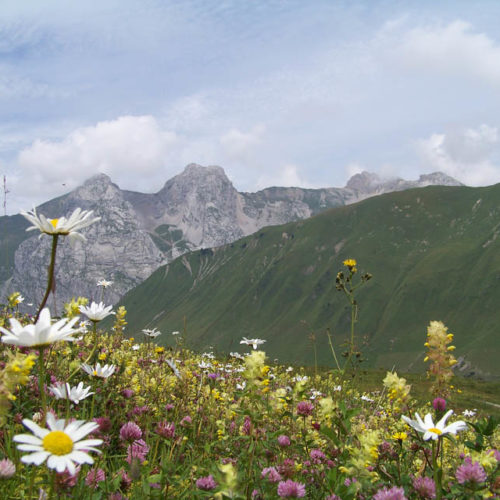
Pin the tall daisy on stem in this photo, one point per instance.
(79, 219)
(436, 432)
(40, 335)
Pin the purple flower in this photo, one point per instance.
(127, 393)
(394, 493)
(95, 476)
(206, 483)
(7, 468)
(439, 404)
(104, 424)
(283, 440)
(137, 450)
(247, 426)
(470, 472)
(272, 475)
(317, 455)
(333, 497)
(305, 408)
(130, 432)
(186, 421)
(425, 487)
(66, 480)
(166, 429)
(291, 489)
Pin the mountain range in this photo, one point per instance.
(139, 232)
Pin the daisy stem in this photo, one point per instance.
(41, 381)
(50, 283)
(52, 484)
(437, 471)
(89, 357)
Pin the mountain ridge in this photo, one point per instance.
(198, 208)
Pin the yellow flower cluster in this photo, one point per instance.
(439, 354)
(364, 455)
(16, 372)
(72, 308)
(397, 388)
(350, 264)
(14, 299)
(119, 326)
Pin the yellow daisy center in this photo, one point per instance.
(435, 431)
(94, 373)
(54, 222)
(58, 443)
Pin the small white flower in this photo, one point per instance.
(236, 355)
(289, 369)
(136, 347)
(209, 355)
(170, 362)
(176, 333)
(61, 446)
(241, 386)
(469, 413)
(300, 378)
(96, 312)
(75, 394)
(337, 388)
(434, 431)
(204, 366)
(62, 226)
(104, 283)
(366, 398)
(253, 342)
(315, 394)
(42, 333)
(151, 333)
(98, 370)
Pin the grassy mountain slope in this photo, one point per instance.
(434, 254)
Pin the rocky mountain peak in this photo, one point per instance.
(364, 181)
(438, 178)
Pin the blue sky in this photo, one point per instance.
(277, 92)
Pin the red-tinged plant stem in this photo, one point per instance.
(50, 283)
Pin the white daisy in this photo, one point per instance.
(253, 342)
(42, 333)
(66, 227)
(99, 371)
(434, 431)
(75, 394)
(237, 355)
(60, 445)
(151, 333)
(176, 333)
(104, 283)
(96, 312)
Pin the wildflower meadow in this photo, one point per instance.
(94, 413)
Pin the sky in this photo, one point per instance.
(277, 92)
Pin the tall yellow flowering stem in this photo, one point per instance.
(344, 283)
(50, 281)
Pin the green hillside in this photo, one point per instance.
(434, 254)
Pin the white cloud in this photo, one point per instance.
(454, 49)
(286, 176)
(464, 154)
(239, 146)
(130, 149)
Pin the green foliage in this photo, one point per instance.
(270, 283)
